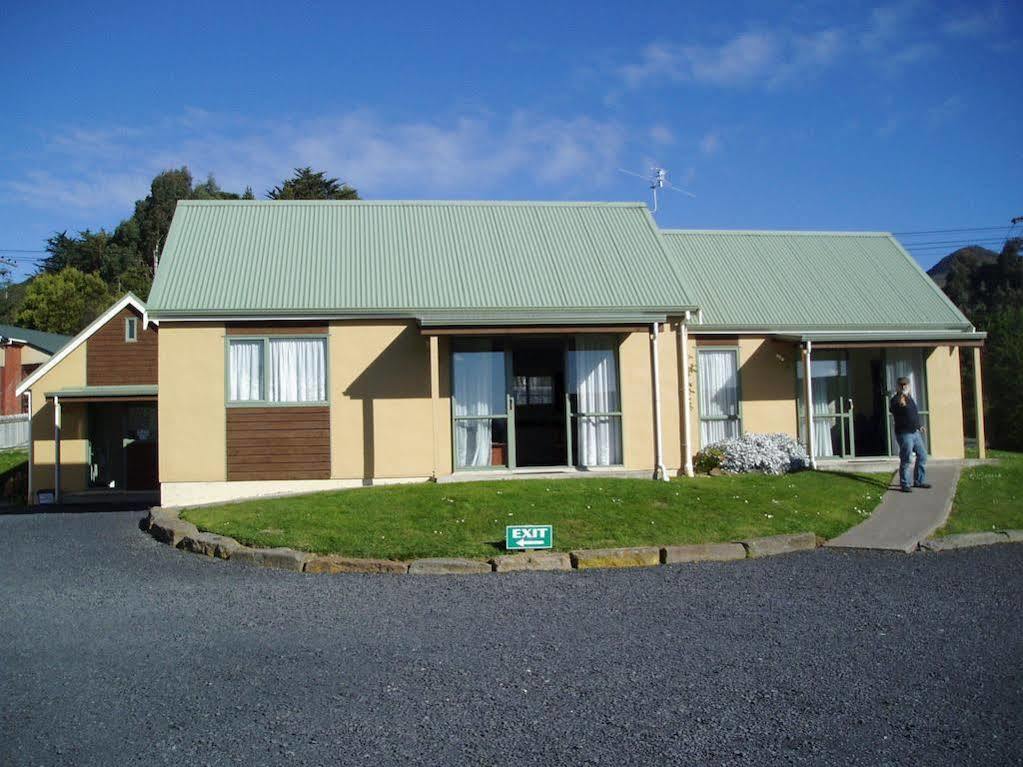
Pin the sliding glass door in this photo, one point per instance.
(906, 363)
(494, 378)
(594, 402)
(481, 406)
(832, 406)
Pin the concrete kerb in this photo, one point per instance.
(166, 526)
(969, 540)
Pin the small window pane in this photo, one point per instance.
(298, 370)
(245, 374)
(131, 329)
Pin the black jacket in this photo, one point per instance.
(907, 417)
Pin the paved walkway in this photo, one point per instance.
(903, 520)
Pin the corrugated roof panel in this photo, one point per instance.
(248, 257)
(808, 280)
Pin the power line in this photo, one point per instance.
(948, 231)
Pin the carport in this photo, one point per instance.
(119, 425)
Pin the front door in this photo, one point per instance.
(538, 403)
(831, 406)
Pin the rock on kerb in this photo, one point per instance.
(447, 566)
(635, 556)
(533, 560)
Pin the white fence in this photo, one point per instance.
(14, 431)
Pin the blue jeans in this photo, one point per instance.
(912, 442)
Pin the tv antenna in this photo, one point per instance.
(658, 179)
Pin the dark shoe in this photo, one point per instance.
(923, 485)
(906, 489)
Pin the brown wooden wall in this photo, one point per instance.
(278, 443)
(112, 361)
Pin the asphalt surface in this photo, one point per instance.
(117, 650)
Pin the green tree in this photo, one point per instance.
(307, 184)
(64, 302)
(990, 294)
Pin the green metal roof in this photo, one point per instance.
(127, 391)
(340, 258)
(47, 342)
(809, 280)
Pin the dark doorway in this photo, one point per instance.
(123, 446)
(538, 393)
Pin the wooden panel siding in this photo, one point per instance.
(278, 443)
(112, 361)
(277, 329)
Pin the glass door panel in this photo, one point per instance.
(832, 407)
(481, 406)
(594, 402)
(907, 363)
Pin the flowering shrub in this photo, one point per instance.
(709, 458)
(762, 453)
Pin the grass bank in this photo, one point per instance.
(989, 497)
(468, 519)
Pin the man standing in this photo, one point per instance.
(907, 434)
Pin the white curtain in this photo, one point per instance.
(478, 391)
(906, 363)
(824, 423)
(594, 379)
(298, 370)
(246, 370)
(718, 394)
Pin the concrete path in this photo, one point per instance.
(903, 520)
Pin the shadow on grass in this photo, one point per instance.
(873, 481)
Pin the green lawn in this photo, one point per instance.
(989, 497)
(468, 519)
(10, 459)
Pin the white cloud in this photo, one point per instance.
(887, 39)
(468, 156)
(710, 144)
(767, 57)
(661, 134)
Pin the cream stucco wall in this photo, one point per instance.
(70, 372)
(382, 416)
(192, 412)
(945, 402)
(768, 385)
(636, 374)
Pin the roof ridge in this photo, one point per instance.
(414, 203)
(783, 232)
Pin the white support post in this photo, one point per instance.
(978, 403)
(808, 402)
(31, 449)
(56, 450)
(659, 472)
(683, 355)
(434, 398)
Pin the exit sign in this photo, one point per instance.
(528, 537)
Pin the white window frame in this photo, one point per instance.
(131, 330)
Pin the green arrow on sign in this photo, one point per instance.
(528, 537)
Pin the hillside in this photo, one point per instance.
(939, 272)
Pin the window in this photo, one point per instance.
(533, 390)
(718, 390)
(277, 370)
(131, 330)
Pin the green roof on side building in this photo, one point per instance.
(45, 342)
(477, 260)
(809, 280)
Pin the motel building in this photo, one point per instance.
(301, 346)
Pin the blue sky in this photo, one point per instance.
(900, 116)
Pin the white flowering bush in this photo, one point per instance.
(755, 453)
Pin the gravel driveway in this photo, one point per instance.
(116, 650)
